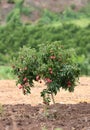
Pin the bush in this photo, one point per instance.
(14, 17)
(15, 14)
(26, 11)
(48, 17)
(69, 14)
(51, 63)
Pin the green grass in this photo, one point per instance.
(6, 73)
(83, 22)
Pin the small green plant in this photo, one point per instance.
(15, 14)
(26, 11)
(14, 17)
(51, 63)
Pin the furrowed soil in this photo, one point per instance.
(20, 112)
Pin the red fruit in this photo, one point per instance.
(25, 79)
(51, 72)
(69, 83)
(52, 57)
(48, 80)
(26, 84)
(37, 77)
(20, 86)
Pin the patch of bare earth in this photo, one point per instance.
(10, 94)
(19, 112)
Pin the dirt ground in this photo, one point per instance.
(19, 112)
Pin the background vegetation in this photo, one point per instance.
(70, 28)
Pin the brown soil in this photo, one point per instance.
(19, 112)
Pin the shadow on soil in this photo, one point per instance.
(27, 117)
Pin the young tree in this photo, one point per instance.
(52, 63)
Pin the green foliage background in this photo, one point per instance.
(51, 27)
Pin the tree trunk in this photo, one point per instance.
(52, 98)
